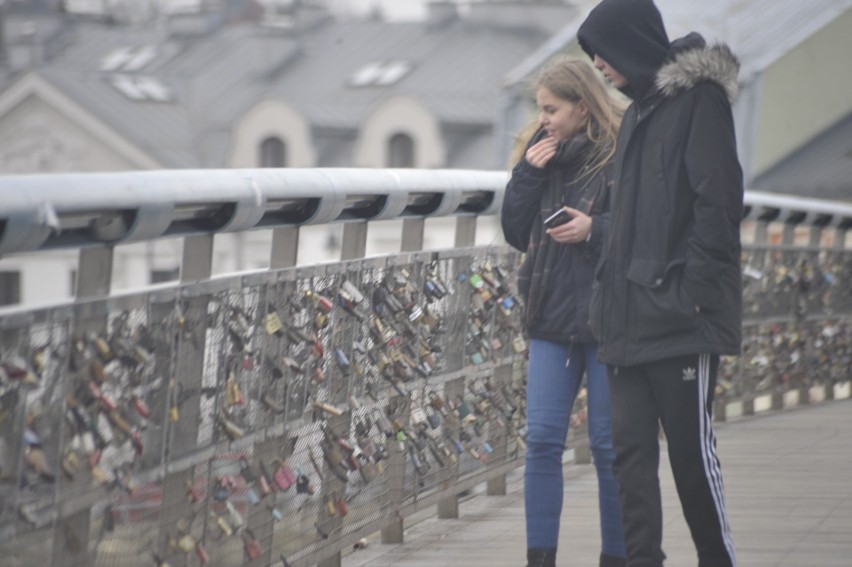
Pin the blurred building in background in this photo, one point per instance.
(106, 85)
(794, 111)
(114, 85)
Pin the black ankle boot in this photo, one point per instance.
(612, 561)
(541, 558)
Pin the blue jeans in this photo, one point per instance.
(552, 387)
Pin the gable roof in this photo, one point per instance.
(201, 85)
(455, 69)
(759, 32)
(823, 166)
(34, 84)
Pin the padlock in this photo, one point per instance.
(292, 364)
(141, 407)
(232, 430)
(341, 506)
(319, 375)
(235, 519)
(233, 396)
(222, 524)
(103, 349)
(99, 474)
(303, 485)
(201, 553)
(333, 455)
(193, 494)
(174, 413)
(125, 481)
(354, 292)
(186, 543)
(324, 303)
(342, 361)
(251, 546)
(437, 453)
(270, 404)
(330, 507)
(328, 408)
(264, 479)
(284, 476)
(97, 371)
(35, 458)
(368, 470)
(70, 465)
(222, 489)
(276, 513)
(272, 324)
(246, 471)
(320, 321)
(519, 345)
(252, 496)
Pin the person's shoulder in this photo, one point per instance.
(701, 69)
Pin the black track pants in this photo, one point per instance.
(678, 393)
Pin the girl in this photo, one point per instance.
(565, 168)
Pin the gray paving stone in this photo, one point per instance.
(788, 480)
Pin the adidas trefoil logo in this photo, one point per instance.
(688, 374)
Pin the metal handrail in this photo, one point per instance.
(41, 212)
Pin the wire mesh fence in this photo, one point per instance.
(271, 418)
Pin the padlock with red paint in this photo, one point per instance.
(251, 545)
(284, 476)
(201, 553)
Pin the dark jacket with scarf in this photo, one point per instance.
(555, 279)
(677, 196)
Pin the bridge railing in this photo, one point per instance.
(276, 417)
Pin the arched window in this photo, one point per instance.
(273, 152)
(400, 151)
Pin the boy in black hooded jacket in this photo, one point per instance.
(667, 298)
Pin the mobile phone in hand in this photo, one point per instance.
(559, 217)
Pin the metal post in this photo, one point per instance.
(761, 237)
(285, 247)
(94, 272)
(354, 241)
(182, 435)
(498, 440)
(94, 279)
(840, 238)
(197, 261)
(465, 232)
(412, 235)
(448, 507)
(333, 487)
(788, 235)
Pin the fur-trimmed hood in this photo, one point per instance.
(715, 63)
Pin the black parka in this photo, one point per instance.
(669, 281)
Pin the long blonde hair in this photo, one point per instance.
(574, 80)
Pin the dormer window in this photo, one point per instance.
(141, 88)
(129, 59)
(380, 73)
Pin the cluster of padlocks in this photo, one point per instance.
(259, 416)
